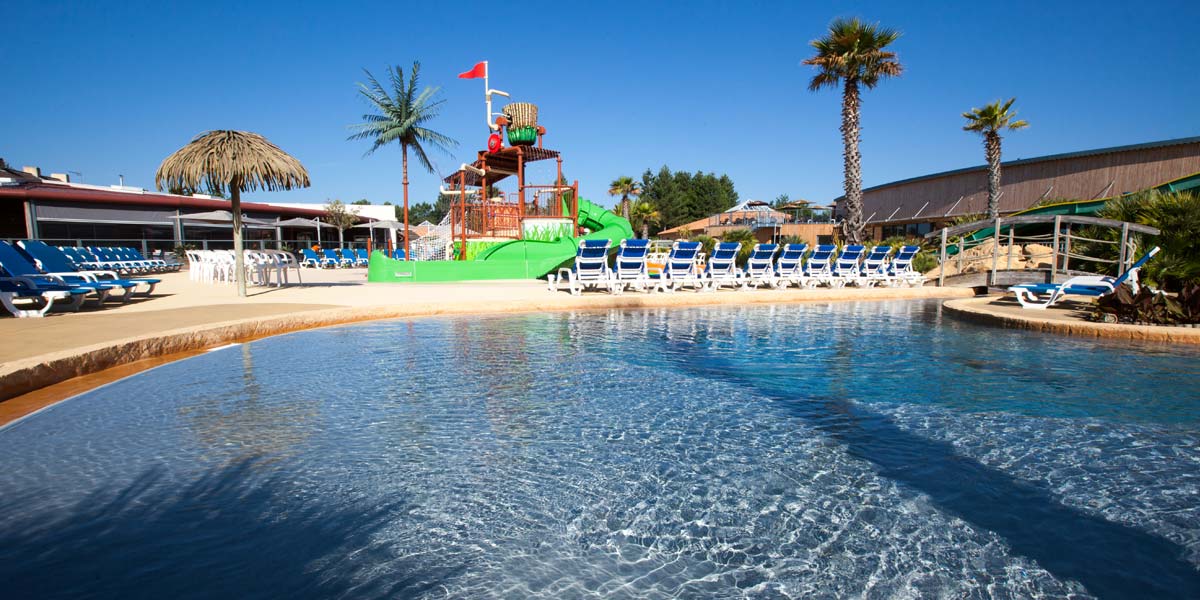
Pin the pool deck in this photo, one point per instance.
(1066, 318)
(66, 353)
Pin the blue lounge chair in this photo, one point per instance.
(1040, 296)
(360, 257)
(332, 258)
(398, 254)
(874, 267)
(14, 265)
(900, 270)
(310, 258)
(722, 266)
(760, 266)
(789, 267)
(117, 263)
(590, 269)
(630, 266)
(16, 292)
(680, 268)
(52, 260)
(846, 269)
(819, 268)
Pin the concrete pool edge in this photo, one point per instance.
(27, 382)
(981, 310)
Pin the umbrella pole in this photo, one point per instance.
(239, 261)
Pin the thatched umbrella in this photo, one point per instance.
(235, 161)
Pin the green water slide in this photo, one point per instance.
(1082, 207)
(516, 259)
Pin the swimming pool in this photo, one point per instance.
(774, 451)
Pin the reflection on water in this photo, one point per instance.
(774, 451)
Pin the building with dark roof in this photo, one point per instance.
(54, 209)
(920, 204)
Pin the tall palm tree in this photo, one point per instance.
(624, 187)
(644, 214)
(400, 117)
(233, 161)
(989, 121)
(853, 54)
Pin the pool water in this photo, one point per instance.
(823, 450)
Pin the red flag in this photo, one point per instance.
(477, 71)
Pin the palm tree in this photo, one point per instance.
(233, 161)
(644, 214)
(400, 117)
(989, 121)
(624, 187)
(852, 54)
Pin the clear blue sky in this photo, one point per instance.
(112, 88)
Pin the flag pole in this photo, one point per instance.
(487, 95)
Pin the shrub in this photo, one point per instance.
(1175, 214)
(1148, 306)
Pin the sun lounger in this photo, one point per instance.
(361, 258)
(52, 260)
(789, 267)
(590, 269)
(760, 267)
(331, 258)
(25, 297)
(14, 265)
(310, 258)
(722, 266)
(630, 266)
(846, 269)
(874, 267)
(819, 268)
(900, 270)
(680, 268)
(1040, 296)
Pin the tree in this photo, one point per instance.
(642, 215)
(400, 117)
(362, 202)
(624, 187)
(236, 161)
(852, 54)
(989, 121)
(338, 215)
(681, 197)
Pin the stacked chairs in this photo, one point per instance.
(760, 266)
(680, 268)
(789, 267)
(590, 269)
(722, 266)
(630, 266)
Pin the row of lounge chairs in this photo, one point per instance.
(121, 259)
(769, 265)
(34, 277)
(331, 258)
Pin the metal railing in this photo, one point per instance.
(1061, 240)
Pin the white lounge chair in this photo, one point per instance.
(1040, 296)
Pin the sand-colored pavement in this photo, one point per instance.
(1072, 317)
